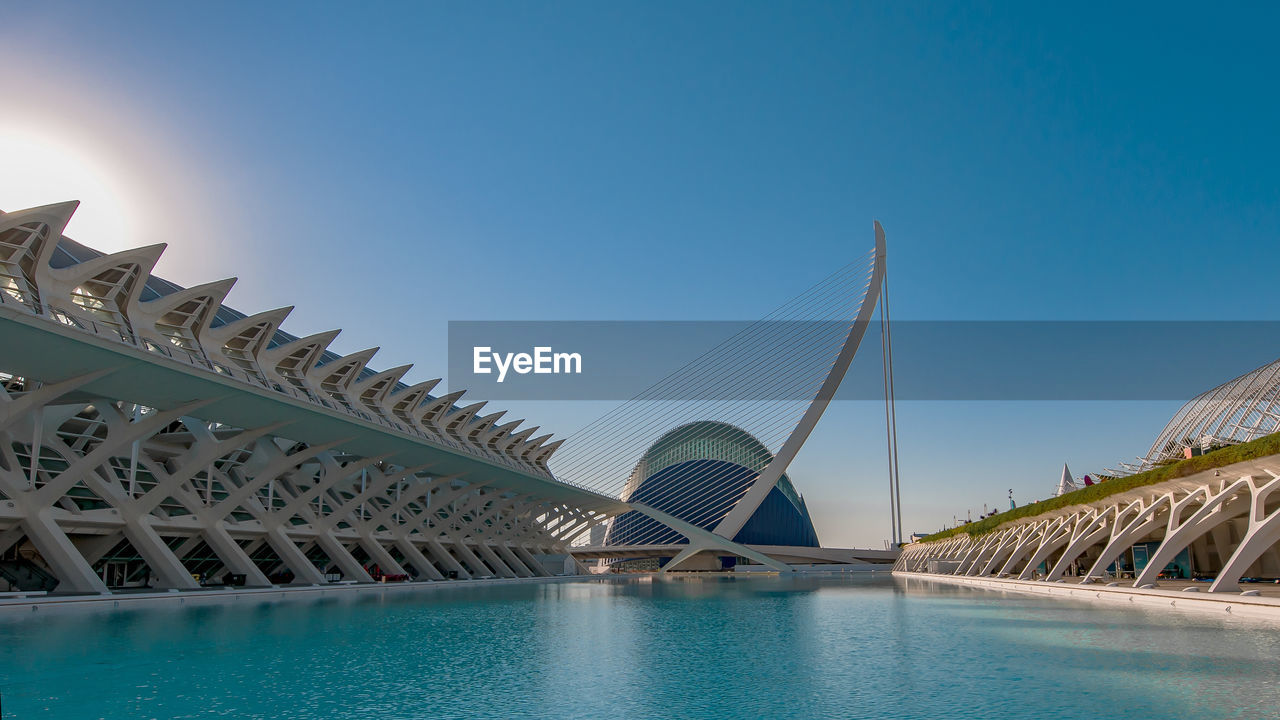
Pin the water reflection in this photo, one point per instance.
(688, 647)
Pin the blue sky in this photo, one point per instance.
(390, 167)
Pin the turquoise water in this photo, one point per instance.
(699, 648)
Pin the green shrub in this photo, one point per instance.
(1215, 458)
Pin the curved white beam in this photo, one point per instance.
(768, 478)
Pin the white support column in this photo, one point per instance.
(444, 557)
(1179, 533)
(380, 556)
(303, 571)
(417, 560)
(167, 567)
(513, 561)
(338, 553)
(530, 561)
(494, 561)
(1087, 534)
(233, 557)
(1263, 533)
(977, 553)
(94, 549)
(1028, 543)
(478, 568)
(1142, 525)
(1053, 541)
(1007, 542)
(1015, 542)
(73, 573)
(968, 556)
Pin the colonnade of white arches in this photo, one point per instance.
(1228, 526)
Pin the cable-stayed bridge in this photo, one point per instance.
(701, 456)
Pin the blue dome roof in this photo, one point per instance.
(698, 472)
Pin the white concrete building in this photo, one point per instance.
(152, 437)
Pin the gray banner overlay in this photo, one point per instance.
(933, 360)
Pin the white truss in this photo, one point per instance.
(149, 436)
(1231, 526)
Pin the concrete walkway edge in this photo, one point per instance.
(1217, 603)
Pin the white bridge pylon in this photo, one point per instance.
(825, 328)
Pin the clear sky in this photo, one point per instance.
(389, 167)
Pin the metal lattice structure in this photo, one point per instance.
(1236, 411)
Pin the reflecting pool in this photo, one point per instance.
(695, 647)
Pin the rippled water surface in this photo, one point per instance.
(864, 647)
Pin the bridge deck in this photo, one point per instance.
(784, 553)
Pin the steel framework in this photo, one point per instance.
(1236, 411)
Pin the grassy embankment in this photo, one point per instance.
(1262, 447)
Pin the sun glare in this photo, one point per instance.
(38, 169)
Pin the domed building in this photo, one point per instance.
(698, 472)
(1237, 411)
